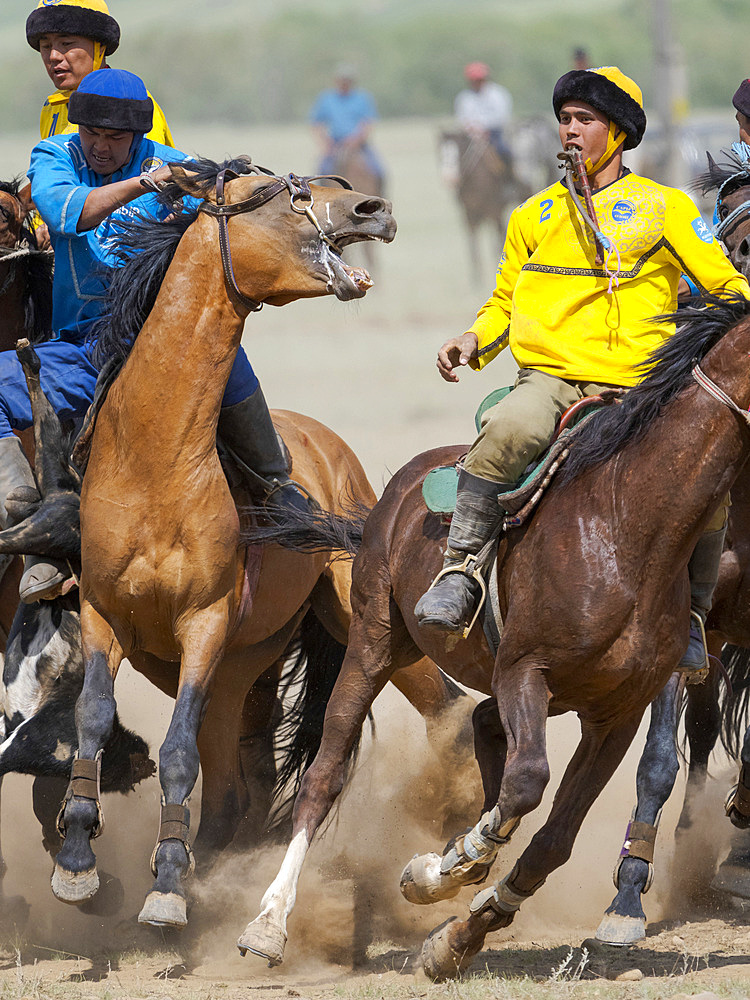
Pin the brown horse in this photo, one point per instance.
(729, 622)
(486, 186)
(594, 598)
(165, 578)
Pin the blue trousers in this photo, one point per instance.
(68, 379)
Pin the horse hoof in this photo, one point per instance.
(422, 881)
(439, 960)
(74, 887)
(164, 909)
(620, 931)
(264, 938)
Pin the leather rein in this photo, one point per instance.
(718, 393)
(301, 200)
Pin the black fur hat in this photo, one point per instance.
(609, 91)
(741, 99)
(88, 18)
(112, 98)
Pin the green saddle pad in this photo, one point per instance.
(440, 486)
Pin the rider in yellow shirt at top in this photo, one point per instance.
(576, 325)
(74, 38)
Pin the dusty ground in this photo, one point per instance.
(367, 370)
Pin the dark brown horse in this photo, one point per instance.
(486, 186)
(729, 622)
(594, 599)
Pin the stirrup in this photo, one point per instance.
(693, 675)
(469, 568)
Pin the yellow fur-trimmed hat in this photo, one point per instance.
(87, 18)
(608, 90)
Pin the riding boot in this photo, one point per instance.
(248, 432)
(703, 570)
(41, 576)
(449, 603)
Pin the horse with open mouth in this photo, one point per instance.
(167, 577)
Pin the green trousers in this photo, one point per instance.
(517, 430)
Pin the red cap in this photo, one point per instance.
(476, 71)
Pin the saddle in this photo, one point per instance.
(440, 488)
(440, 485)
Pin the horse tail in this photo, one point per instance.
(313, 530)
(734, 702)
(315, 660)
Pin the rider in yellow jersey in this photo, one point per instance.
(574, 325)
(74, 37)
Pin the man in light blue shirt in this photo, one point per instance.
(86, 186)
(342, 117)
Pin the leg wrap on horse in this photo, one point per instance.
(640, 839)
(174, 824)
(738, 798)
(85, 783)
(502, 898)
(480, 845)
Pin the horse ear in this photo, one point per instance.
(24, 196)
(713, 169)
(186, 180)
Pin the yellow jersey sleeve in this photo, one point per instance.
(693, 248)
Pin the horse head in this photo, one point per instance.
(287, 234)
(732, 181)
(15, 203)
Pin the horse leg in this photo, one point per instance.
(624, 922)
(202, 644)
(467, 859)
(451, 947)
(75, 878)
(261, 714)
(375, 638)
(702, 726)
(490, 749)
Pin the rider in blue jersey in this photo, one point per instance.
(84, 185)
(343, 117)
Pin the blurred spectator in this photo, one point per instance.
(484, 108)
(581, 59)
(342, 117)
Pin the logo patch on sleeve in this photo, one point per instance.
(150, 164)
(702, 231)
(623, 211)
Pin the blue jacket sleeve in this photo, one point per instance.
(56, 188)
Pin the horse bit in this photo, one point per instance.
(301, 199)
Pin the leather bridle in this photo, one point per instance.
(302, 202)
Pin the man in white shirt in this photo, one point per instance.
(484, 108)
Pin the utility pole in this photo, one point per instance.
(670, 82)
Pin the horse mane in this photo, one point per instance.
(731, 168)
(144, 249)
(667, 373)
